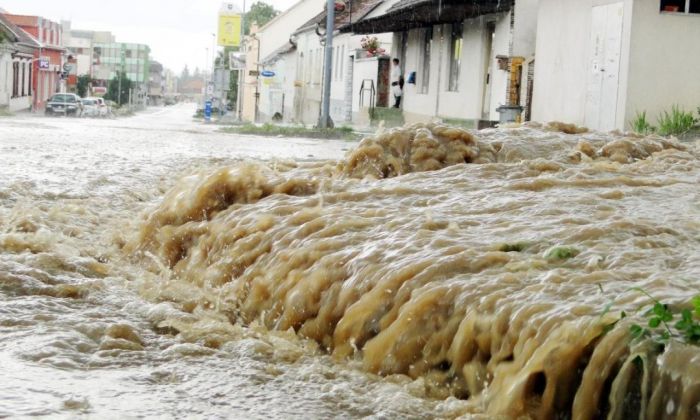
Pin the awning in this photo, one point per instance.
(411, 14)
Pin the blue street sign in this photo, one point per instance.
(207, 110)
(267, 73)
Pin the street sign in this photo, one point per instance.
(44, 63)
(267, 73)
(207, 110)
(229, 30)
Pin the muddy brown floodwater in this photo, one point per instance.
(153, 267)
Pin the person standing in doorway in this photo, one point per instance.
(396, 82)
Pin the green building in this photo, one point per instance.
(120, 56)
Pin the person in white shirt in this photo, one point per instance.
(396, 82)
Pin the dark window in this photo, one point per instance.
(31, 82)
(680, 6)
(15, 79)
(24, 70)
(694, 6)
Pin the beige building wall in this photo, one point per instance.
(664, 62)
(250, 80)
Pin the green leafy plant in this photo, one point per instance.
(560, 253)
(659, 317)
(641, 125)
(676, 122)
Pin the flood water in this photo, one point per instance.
(154, 267)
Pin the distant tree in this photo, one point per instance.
(113, 92)
(82, 85)
(185, 75)
(223, 58)
(197, 74)
(260, 13)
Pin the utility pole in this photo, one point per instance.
(325, 120)
(241, 72)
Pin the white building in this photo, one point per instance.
(79, 46)
(599, 62)
(275, 48)
(462, 60)
(16, 58)
(294, 92)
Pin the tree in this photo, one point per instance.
(260, 13)
(113, 89)
(185, 75)
(82, 85)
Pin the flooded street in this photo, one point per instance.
(154, 267)
(78, 338)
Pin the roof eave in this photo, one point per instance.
(425, 14)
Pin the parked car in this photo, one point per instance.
(101, 107)
(64, 104)
(90, 107)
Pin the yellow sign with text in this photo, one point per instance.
(229, 30)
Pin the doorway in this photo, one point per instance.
(604, 66)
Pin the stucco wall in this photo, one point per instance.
(563, 61)
(467, 102)
(5, 76)
(525, 28)
(499, 78)
(276, 33)
(664, 61)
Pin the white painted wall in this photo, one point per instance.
(5, 75)
(365, 68)
(562, 62)
(499, 78)
(467, 101)
(664, 61)
(276, 32)
(6, 78)
(525, 28)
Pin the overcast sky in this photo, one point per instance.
(178, 31)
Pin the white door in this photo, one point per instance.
(604, 66)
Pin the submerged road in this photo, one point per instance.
(81, 335)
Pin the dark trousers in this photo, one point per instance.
(397, 102)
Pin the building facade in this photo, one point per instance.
(48, 58)
(16, 65)
(601, 62)
(131, 59)
(461, 61)
(156, 84)
(292, 90)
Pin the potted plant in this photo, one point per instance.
(371, 45)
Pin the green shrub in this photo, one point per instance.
(273, 130)
(676, 123)
(641, 125)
